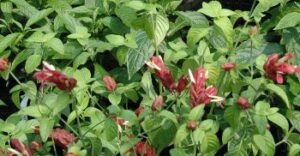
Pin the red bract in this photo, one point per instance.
(275, 68)
(20, 147)
(3, 64)
(120, 121)
(157, 103)
(62, 138)
(228, 66)
(243, 102)
(50, 75)
(35, 145)
(198, 93)
(162, 72)
(143, 149)
(139, 110)
(110, 83)
(182, 83)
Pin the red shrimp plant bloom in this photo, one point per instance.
(4, 63)
(139, 110)
(62, 138)
(20, 147)
(165, 75)
(199, 93)
(144, 149)
(276, 67)
(110, 83)
(50, 75)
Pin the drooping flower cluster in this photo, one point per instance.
(276, 67)
(62, 138)
(20, 147)
(50, 75)
(199, 93)
(110, 83)
(4, 63)
(165, 75)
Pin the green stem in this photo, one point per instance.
(194, 143)
(284, 140)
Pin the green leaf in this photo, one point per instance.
(7, 41)
(81, 59)
(32, 111)
(96, 146)
(2, 103)
(232, 116)
(265, 144)
(280, 92)
(195, 34)
(161, 131)
(136, 57)
(32, 63)
(225, 25)
(279, 120)
(177, 152)
(156, 27)
(38, 16)
(57, 45)
(25, 8)
(260, 122)
(195, 19)
(46, 126)
(294, 150)
(294, 117)
(114, 98)
(181, 134)
(210, 143)
(116, 40)
(289, 20)
(197, 113)
(110, 130)
(211, 9)
(227, 135)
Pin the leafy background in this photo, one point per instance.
(87, 39)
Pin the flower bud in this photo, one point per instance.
(35, 145)
(228, 66)
(192, 125)
(243, 102)
(110, 83)
(157, 103)
(143, 149)
(139, 110)
(3, 64)
(62, 138)
(253, 30)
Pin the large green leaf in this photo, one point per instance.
(39, 16)
(279, 120)
(181, 134)
(197, 113)
(225, 25)
(46, 126)
(210, 143)
(7, 41)
(57, 45)
(294, 150)
(280, 92)
(156, 27)
(32, 62)
(232, 116)
(192, 18)
(289, 20)
(25, 8)
(136, 57)
(265, 144)
(111, 129)
(96, 146)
